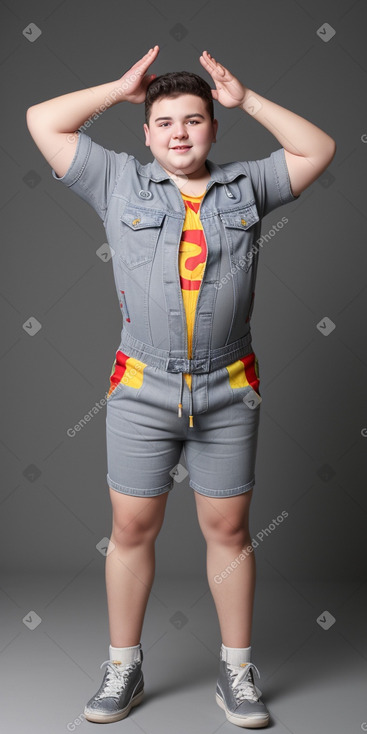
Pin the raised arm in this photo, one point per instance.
(52, 124)
(308, 149)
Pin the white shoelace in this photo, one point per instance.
(242, 682)
(116, 678)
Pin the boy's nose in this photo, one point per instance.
(180, 132)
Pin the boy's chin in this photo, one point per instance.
(181, 166)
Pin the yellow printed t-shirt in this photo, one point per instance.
(192, 258)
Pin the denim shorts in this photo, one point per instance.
(145, 435)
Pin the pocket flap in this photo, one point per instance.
(242, 218)
(138, 218)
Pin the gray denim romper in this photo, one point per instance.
(151, 412)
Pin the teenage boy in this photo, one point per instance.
(183, 230)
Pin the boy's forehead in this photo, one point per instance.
(189, 103)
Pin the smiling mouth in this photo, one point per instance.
(181, 147)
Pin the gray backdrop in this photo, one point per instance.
(308, 57)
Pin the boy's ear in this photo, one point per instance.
(147, 134)
(215, 128)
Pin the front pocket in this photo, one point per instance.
(238, 224)
(126, 372)
(140, 229)
(244, 376)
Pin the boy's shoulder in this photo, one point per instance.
(122, 162)
(97, 173)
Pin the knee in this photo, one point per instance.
(136, 520)
(226, 530)
(132, 529)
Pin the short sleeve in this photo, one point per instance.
(270, 182)
(93, 173)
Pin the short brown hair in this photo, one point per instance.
(174, 84)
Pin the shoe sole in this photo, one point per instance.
(110, 718)
(251, 722)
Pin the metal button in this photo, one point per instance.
(145, 194)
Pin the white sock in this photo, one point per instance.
(125, 655)
(235, 655)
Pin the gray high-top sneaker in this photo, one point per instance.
(121, 689)
(237, 694)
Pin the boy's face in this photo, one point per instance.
(187, 125)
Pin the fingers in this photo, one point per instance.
(211, 64)
(149, 57)
(210, 59)
(205, 58)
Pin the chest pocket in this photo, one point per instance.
(139, 232)
(239, 232)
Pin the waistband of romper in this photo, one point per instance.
(161, 359)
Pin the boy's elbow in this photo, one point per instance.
(35, 119)
(29, 111)
(332, 149)
(325, 154)
(35, 109)
(29, 114)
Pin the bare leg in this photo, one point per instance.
(224, 524)
(130, 566)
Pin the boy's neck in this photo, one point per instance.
(189, 189)
(194, 184)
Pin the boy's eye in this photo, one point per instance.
(163, 124)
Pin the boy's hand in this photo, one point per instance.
(134, 82)
(229, 91)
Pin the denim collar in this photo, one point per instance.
(220, 174)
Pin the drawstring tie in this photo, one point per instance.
(180, 397)
(191, 410)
